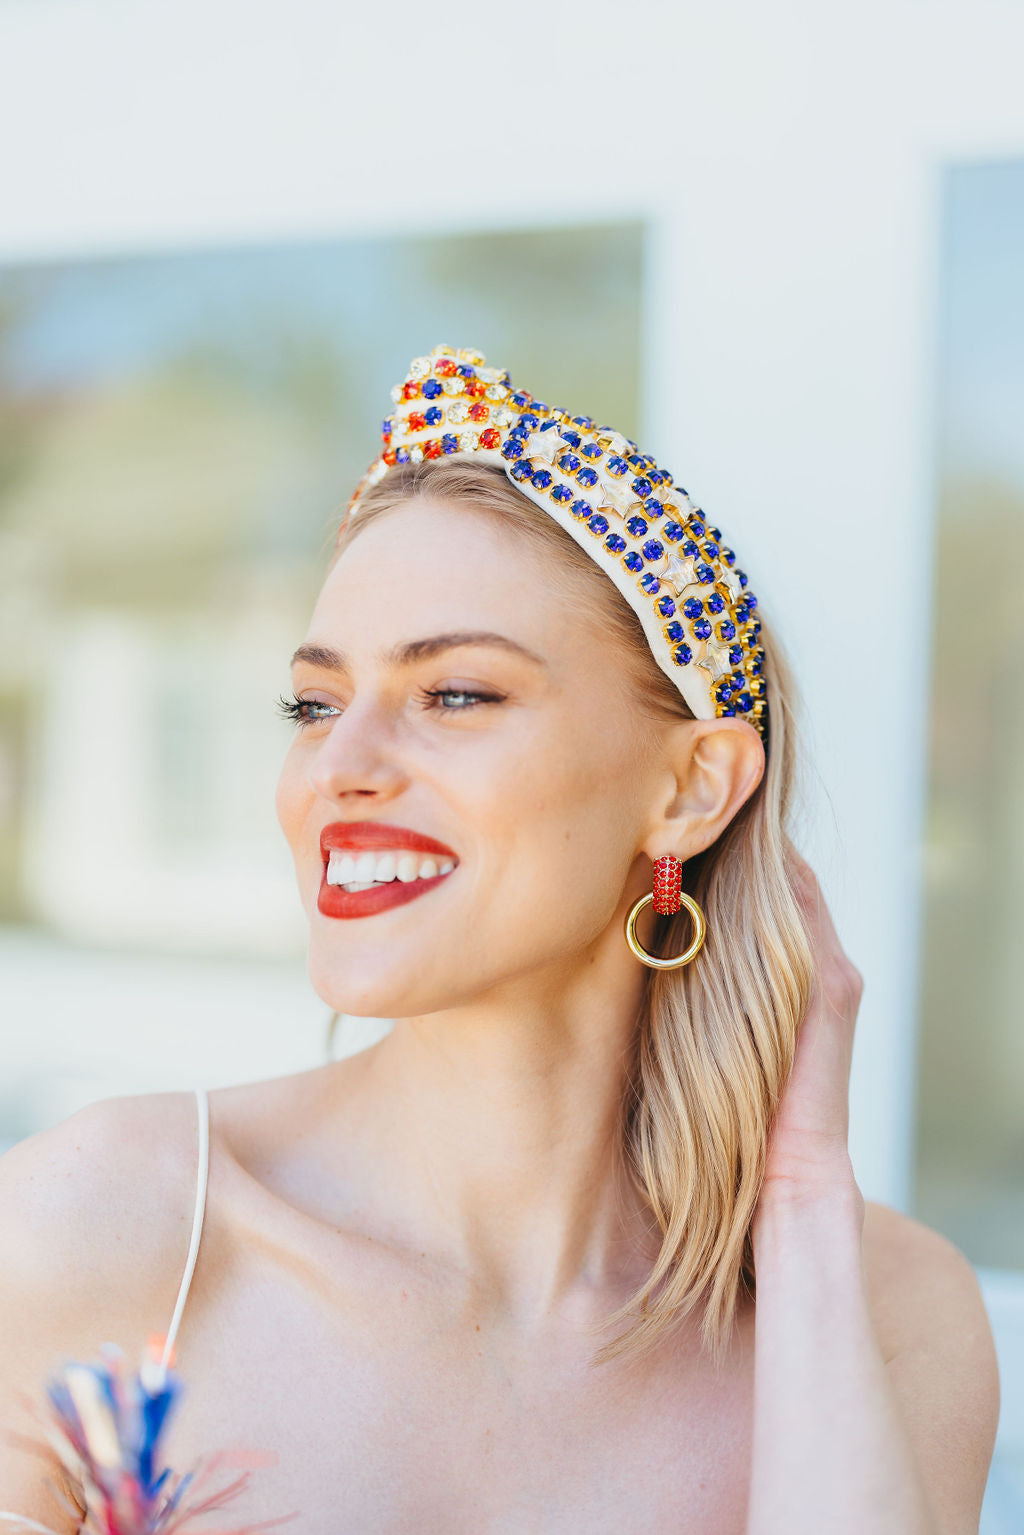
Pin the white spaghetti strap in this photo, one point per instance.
(203, 1109)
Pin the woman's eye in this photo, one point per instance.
(295, 709)
(465, 699)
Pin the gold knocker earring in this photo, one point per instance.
(668, 896)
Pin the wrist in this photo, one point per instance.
(830, 1191)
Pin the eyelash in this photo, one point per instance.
(294, 708)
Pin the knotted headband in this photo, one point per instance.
(670, 564)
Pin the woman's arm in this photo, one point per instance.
(847, 1438)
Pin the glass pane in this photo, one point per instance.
(970, 1173)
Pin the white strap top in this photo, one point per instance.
(203, 1110)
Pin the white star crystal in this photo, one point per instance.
(716, 660)
(681, 571)
(546, 446)
(732, 583)
(615, 443)
(616, 496)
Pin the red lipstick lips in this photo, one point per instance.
(374, 836)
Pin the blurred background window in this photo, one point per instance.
(178, 437)
(970, 1109)
(970, 1168)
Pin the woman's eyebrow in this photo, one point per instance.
(408, 651)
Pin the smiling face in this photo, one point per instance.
(523, 757)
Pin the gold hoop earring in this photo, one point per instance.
(668, 897)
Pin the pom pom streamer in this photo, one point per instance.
(105, 1425)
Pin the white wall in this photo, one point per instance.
(787, 154)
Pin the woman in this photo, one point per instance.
(578, 1245)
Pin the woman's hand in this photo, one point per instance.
(808, 1152)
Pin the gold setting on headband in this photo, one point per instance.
(643, 530)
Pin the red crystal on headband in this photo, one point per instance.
(668, 885)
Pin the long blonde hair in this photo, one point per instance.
(714, 1040)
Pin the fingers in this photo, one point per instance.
(841, 982)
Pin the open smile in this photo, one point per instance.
(369, 866)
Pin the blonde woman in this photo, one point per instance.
(577, 1247)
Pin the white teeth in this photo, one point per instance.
(385, 870)
(362, 871)
(408, 867)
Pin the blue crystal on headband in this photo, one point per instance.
(561, 493)
(401, 455)
(672, 531)
(584, 421)
(690, 548)
(711, 549)
(569, 463)
(693, 607)
(542, 478)
(637, 461)
(653, 507)
(591, 450)
(702, 629)
(653, 550)
(581, 508)
(520, 398)
(743, 577)
(735, 655)
(674, 630)
(744, 701)
(587, 477)
(434, 416)
(615, 542)
(682, 655)
(450, 443)
(636, 526)
(529, 422)
(633, 561)
(695, 526)
(728, 556)
(597, 523)
(716, 602)
(666, 607)
(704, 574)
(755, 666)
(650, 583)
(512, 449)
(572, 438)
(723, 692)
(727, 629)
(386, 427)
(715, 533)
(617, 466)
(641, 489)
(430, 388)
(523, 470)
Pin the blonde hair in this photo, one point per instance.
(714, 1040)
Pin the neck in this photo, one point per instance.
(497, 1131)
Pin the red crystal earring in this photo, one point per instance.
(667, 896)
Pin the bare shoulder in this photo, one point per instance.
(99, 1194)
(92, 1227)
(933, 1329)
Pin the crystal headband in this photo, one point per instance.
(696, 608)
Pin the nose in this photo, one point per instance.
(357, 757)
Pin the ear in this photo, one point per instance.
(712, 769)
